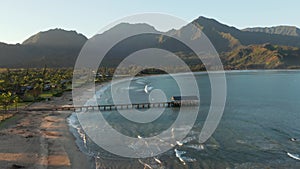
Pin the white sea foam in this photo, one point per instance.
(72, 121)
(294, 156)
(148, 88)
(145, 164)
(178, 155)
(142, 82)
(157, 160)
(183, 159)
(197, 147)
(189, 139)
(151, 163)
(179, 143)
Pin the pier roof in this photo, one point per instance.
(178, 98)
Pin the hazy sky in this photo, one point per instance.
(20, 19)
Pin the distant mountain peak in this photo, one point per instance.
(56, 38)
(207, 19)
(279, 30)
(130, 27)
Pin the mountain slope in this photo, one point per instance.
(56, 48)
(213, 30)
(278, 30)
(56, 38)
(238, 48)
(262, 57)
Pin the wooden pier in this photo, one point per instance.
(176, 102)
(124, 106)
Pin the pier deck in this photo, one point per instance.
(176, 101)
(112, 107)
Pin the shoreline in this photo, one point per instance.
(41, 139)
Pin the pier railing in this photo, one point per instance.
(111, 107)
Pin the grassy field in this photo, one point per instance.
(46, 95)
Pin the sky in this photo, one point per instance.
(19, 19)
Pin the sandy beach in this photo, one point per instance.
(40, 139)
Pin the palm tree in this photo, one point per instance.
(7, 99)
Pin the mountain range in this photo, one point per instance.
(278, 30)
(250, 48)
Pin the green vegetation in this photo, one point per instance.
(262, 57)
(15, 106)
(19, 87)
(7, 99)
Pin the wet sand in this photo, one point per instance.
(40, 139)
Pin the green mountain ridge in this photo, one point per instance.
(265, 56)
(239, 49)
(214, 30)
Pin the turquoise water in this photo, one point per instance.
(262, 114)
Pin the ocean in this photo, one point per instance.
(259, 127)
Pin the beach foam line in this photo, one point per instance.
(294, 156)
